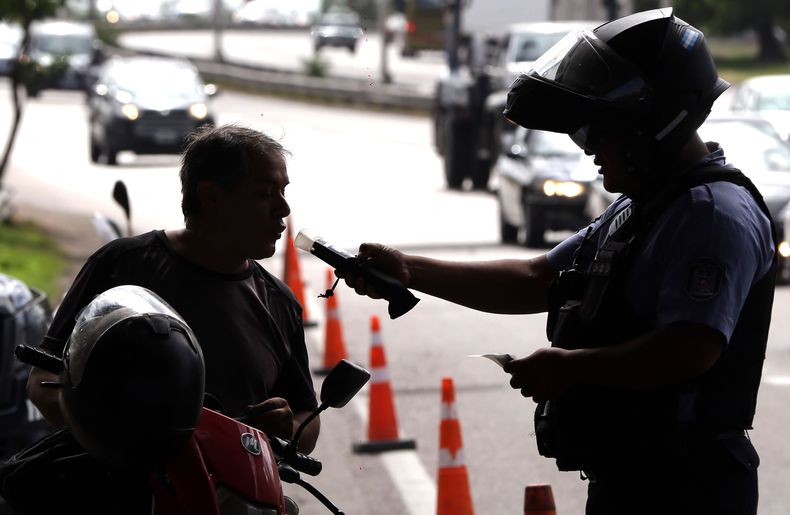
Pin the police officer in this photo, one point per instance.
(659, 310)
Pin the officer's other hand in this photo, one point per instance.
(274, 417)
(543, 375)
(381, 257)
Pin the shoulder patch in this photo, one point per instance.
(705, 277)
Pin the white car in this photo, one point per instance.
(767, 96)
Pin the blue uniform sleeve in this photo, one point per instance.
(715, 244)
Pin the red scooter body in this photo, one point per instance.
(226, 468)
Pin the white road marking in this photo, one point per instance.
(407, 471)
(778, 380)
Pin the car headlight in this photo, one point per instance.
(562, 188)
(198, 111)
(130, 111)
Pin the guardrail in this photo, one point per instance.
(339, 90)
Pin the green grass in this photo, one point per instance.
(736, 59)
(29, 254)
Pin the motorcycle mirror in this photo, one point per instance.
(121, 196)
(343, 383)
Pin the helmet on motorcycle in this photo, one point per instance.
(24, 313)
(648, 76)
(133, 378)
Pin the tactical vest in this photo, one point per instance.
(595, 427)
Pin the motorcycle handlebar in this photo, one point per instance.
(294, 458)
(39, 358)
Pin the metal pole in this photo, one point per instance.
(453, 33)
(218, 21)
(383, 12)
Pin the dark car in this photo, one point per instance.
(59, 55)
(543, 184)
(148, 105)
(752, 145)
(337, 29)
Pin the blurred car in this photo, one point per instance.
(543, 184)
(337, 28)
(10, 41)
(752, 145)
(60, 53)
(768, 96)
(148, 105)
(264, 12)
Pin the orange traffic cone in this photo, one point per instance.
(292, 276)
(382, 423)
(453, 494)
(334, 344)
(538, 500)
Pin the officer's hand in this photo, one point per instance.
(385, 259)
(543, 375)
(274, 417)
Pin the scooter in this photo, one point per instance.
(228, 467)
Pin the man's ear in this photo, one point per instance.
(207, 195)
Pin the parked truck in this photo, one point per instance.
(489, 42)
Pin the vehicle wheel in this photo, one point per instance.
(32, 92)
(459, 151)
(95, 151)
(111, 154)
(508, 233)
(533, 228)
(481, 173)
(352, 48)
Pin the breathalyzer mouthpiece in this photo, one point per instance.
(400, 299)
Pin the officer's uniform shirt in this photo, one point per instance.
(699, 261)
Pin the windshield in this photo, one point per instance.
(71, 44)
(528, 47)
(344, 19)
(544, 143)
(750, 147)
(774, 99)
(170, 79)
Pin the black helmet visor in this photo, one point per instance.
(578, 82)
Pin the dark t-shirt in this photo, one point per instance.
(249, 325)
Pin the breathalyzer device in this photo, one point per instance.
(400, 299)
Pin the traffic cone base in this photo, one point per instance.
(383, 445)
(454, 496)
(539, 500)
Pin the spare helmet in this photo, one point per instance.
(648, 76)
(24, 314)
(133, 378)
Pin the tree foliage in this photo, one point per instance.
(763, 17)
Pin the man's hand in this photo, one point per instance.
(274, 417)
(543, 375)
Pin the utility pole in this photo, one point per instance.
(383, 13)
(217, 24)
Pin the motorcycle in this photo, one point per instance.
(228, 467)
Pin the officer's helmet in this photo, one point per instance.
(133, 378)
(648, 75)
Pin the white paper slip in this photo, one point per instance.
(499, 359)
